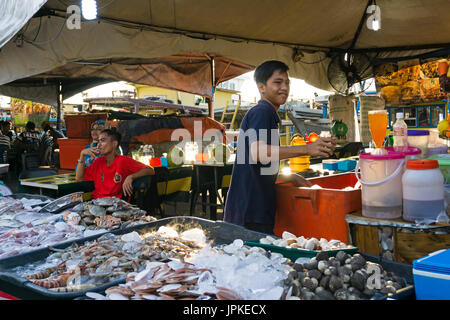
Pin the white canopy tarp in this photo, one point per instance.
(303, 34)
(14, 14)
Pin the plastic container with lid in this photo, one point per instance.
(330, 164)
(301, 163)
(419, 139)
(423, 190)
(381, 184)
(400, 129)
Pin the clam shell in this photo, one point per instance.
(310, 244)
(287, 235)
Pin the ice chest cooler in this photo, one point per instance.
(318, 213)
(432, 276)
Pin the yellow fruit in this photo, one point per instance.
(443, 125)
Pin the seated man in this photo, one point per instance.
(49, 131)
(113, 174)
(29, 139)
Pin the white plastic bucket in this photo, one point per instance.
(381, 184)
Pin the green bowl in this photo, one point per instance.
(294, 253)
(444, 165)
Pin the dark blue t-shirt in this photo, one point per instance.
(251, 197)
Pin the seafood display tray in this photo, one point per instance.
(401, 269)
(19, 196)
(55, 205)
(218, 232)
(294, 253)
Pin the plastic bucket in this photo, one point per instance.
(381, 184)
(410, 153)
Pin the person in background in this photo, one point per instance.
(96, 127)
(5, 143)
(5, 129)
(113, 174)
(4, 138)
(29, 139)
(52, 132)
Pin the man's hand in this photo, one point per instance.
(323, 147)
(299, 181)
(92, 152)
(296, 179)
(128, 186)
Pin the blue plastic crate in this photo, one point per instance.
(346, 165)
(432, 276)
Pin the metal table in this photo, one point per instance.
(59, 185)
(201, 171)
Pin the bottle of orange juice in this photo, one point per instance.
(298, 164)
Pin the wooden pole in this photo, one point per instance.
(59, 104)
(213, 89)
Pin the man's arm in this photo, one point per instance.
(79, 173)
(323, 147)
(128, 183)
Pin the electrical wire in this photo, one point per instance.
(39, 29)
(314, 62)
(40, 43)
(106, 5)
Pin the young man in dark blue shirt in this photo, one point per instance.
(251, 199)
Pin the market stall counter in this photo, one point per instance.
(396, 239)
(46, 273)
(210, 177)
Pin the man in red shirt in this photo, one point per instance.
(113, 174)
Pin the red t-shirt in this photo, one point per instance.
(108, 180)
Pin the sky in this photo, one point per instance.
(249, 92)
(299, 89)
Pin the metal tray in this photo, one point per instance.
(19, 196)
(218, 232)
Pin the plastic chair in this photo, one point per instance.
(30, 160)
(3, 154)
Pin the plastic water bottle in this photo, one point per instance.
(400, 134)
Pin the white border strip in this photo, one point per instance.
(431, 274)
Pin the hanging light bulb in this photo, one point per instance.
(374, 20)
(89, 9)
(376, 25)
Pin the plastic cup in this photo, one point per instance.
(378, 120)
(155, 162)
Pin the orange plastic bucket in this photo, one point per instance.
(318, 213)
